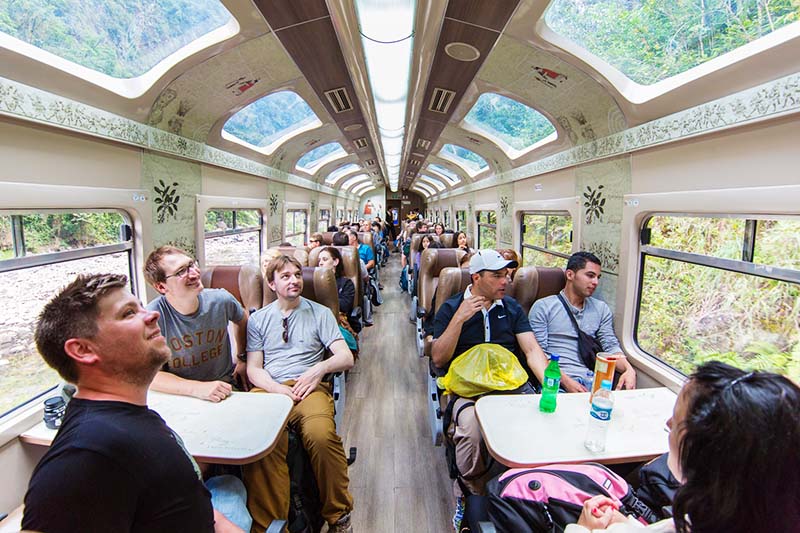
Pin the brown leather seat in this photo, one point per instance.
(532, 283)
(298, 252)
(431, 263)
(416, 241)
(352, 268)
(452, 281)
(366, 238)
(448, 240)
(243, 282)
(327, 237)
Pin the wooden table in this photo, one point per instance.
(238, 430)
(518, 435)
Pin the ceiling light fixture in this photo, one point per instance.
(387, 35)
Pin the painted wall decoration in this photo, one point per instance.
(275, 221)
(173, 185)
(504, 216)
(594, 203)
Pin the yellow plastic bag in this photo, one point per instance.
(481, 369)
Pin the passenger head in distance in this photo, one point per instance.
(315, 240)
(340, 238)
(733, 443)
(438, 228)
(511, 255)
(461, 242)
(330, 257)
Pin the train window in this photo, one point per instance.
(340, 172)
(320, 155)
(461, 220)
(113, 38)
(447, 219)
(700, 300)
(487, 229)
(324, 220)
(546, 239)
(296, 227)
(466, 159)
(679, 35)
(39, 253)
(517, 127)
(430, 181)
(271, 119)
(443, 172)
(232, 236)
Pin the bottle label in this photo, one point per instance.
(552, 383)
(601, 413)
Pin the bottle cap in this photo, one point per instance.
(554, 357)
(605, 384)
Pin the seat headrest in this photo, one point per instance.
(351, 263)
(319, 285)
(525, 287)
(551, 281)
(298, 252)
(243, 282)
(452, 280)
(432, 261)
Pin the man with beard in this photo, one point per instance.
(556, 333)
(114, 464)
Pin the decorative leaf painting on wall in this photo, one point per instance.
(504, 205)
(594, 204)
(273, 204)
(166, 201)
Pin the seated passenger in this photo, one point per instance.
(511, 255)
(461, 241)
(556, 333)
(195, 321)
(286, 342)
(114, 464)
(733, 445)
(483, 313)
(330, 257)
(438, 228)
(315, 240)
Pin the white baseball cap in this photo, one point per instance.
(489, 260)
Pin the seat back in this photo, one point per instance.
(243, 282)
(431, 263)
(327, 238)
(452, 280)
(300, 253)
(351, 264)
(366, 237)
(532, 283)
(319, 285)
(448, 240)
(416, 241)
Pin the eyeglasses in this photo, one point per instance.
(184, 271)
(286, 329)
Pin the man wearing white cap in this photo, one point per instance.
(483, 313)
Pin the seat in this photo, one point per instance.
(432, 261)
(448, 240)
(532, 283)
(366, 237)
(452, 281)
(243, 282)
(298, 252)
(352, 270)
(327, 237)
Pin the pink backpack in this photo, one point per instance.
(548, 498)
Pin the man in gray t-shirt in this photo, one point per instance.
(194, 320)
(556, 334)
(286, 343)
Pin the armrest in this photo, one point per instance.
(276, 526)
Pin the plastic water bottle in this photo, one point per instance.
(552, 380)
(599, 418)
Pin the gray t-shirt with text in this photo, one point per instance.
(311, 328)
(201, 349)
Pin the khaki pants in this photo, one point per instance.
(267, 480)
(472, 458)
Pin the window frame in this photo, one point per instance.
(305, 233)
(488, 224)
(232, 231)
(545, 249)
(322, 228)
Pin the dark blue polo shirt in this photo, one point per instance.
(505, 322)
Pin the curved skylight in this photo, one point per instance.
(319, 156)
(118, 38)
(437, 184)
(355, 179)
(424, 189)
(512, 122)
(338, 173)
(364, 187)
(466, 159)
(451, 177)
(270, 119)
(650, 41)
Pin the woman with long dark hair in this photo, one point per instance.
(734, 444)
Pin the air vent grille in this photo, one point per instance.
(423, 143)
(361, 142)
(414, 162)
(441, 100)
(370, 162)
(410, 173)
(339, 100)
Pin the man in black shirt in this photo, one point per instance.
(114, 464)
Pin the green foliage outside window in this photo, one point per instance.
(120, 38)
(47, 233)
(222, 219)
(487, 229)
(550, 232)
(514, 123)
(651, 40)
(690, 313)
(268, 119)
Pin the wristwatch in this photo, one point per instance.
(242, 357)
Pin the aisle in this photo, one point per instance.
(400, 480)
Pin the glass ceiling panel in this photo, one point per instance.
(270, 118)
(355, 179)
(451, 176)
(651, 40)
(364, 187)
(336, 175)
(424, 178)
(119, 38)
(424, 189)
(514, 123)
(312, 158)
(472, 162)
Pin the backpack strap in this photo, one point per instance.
(578, 330)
